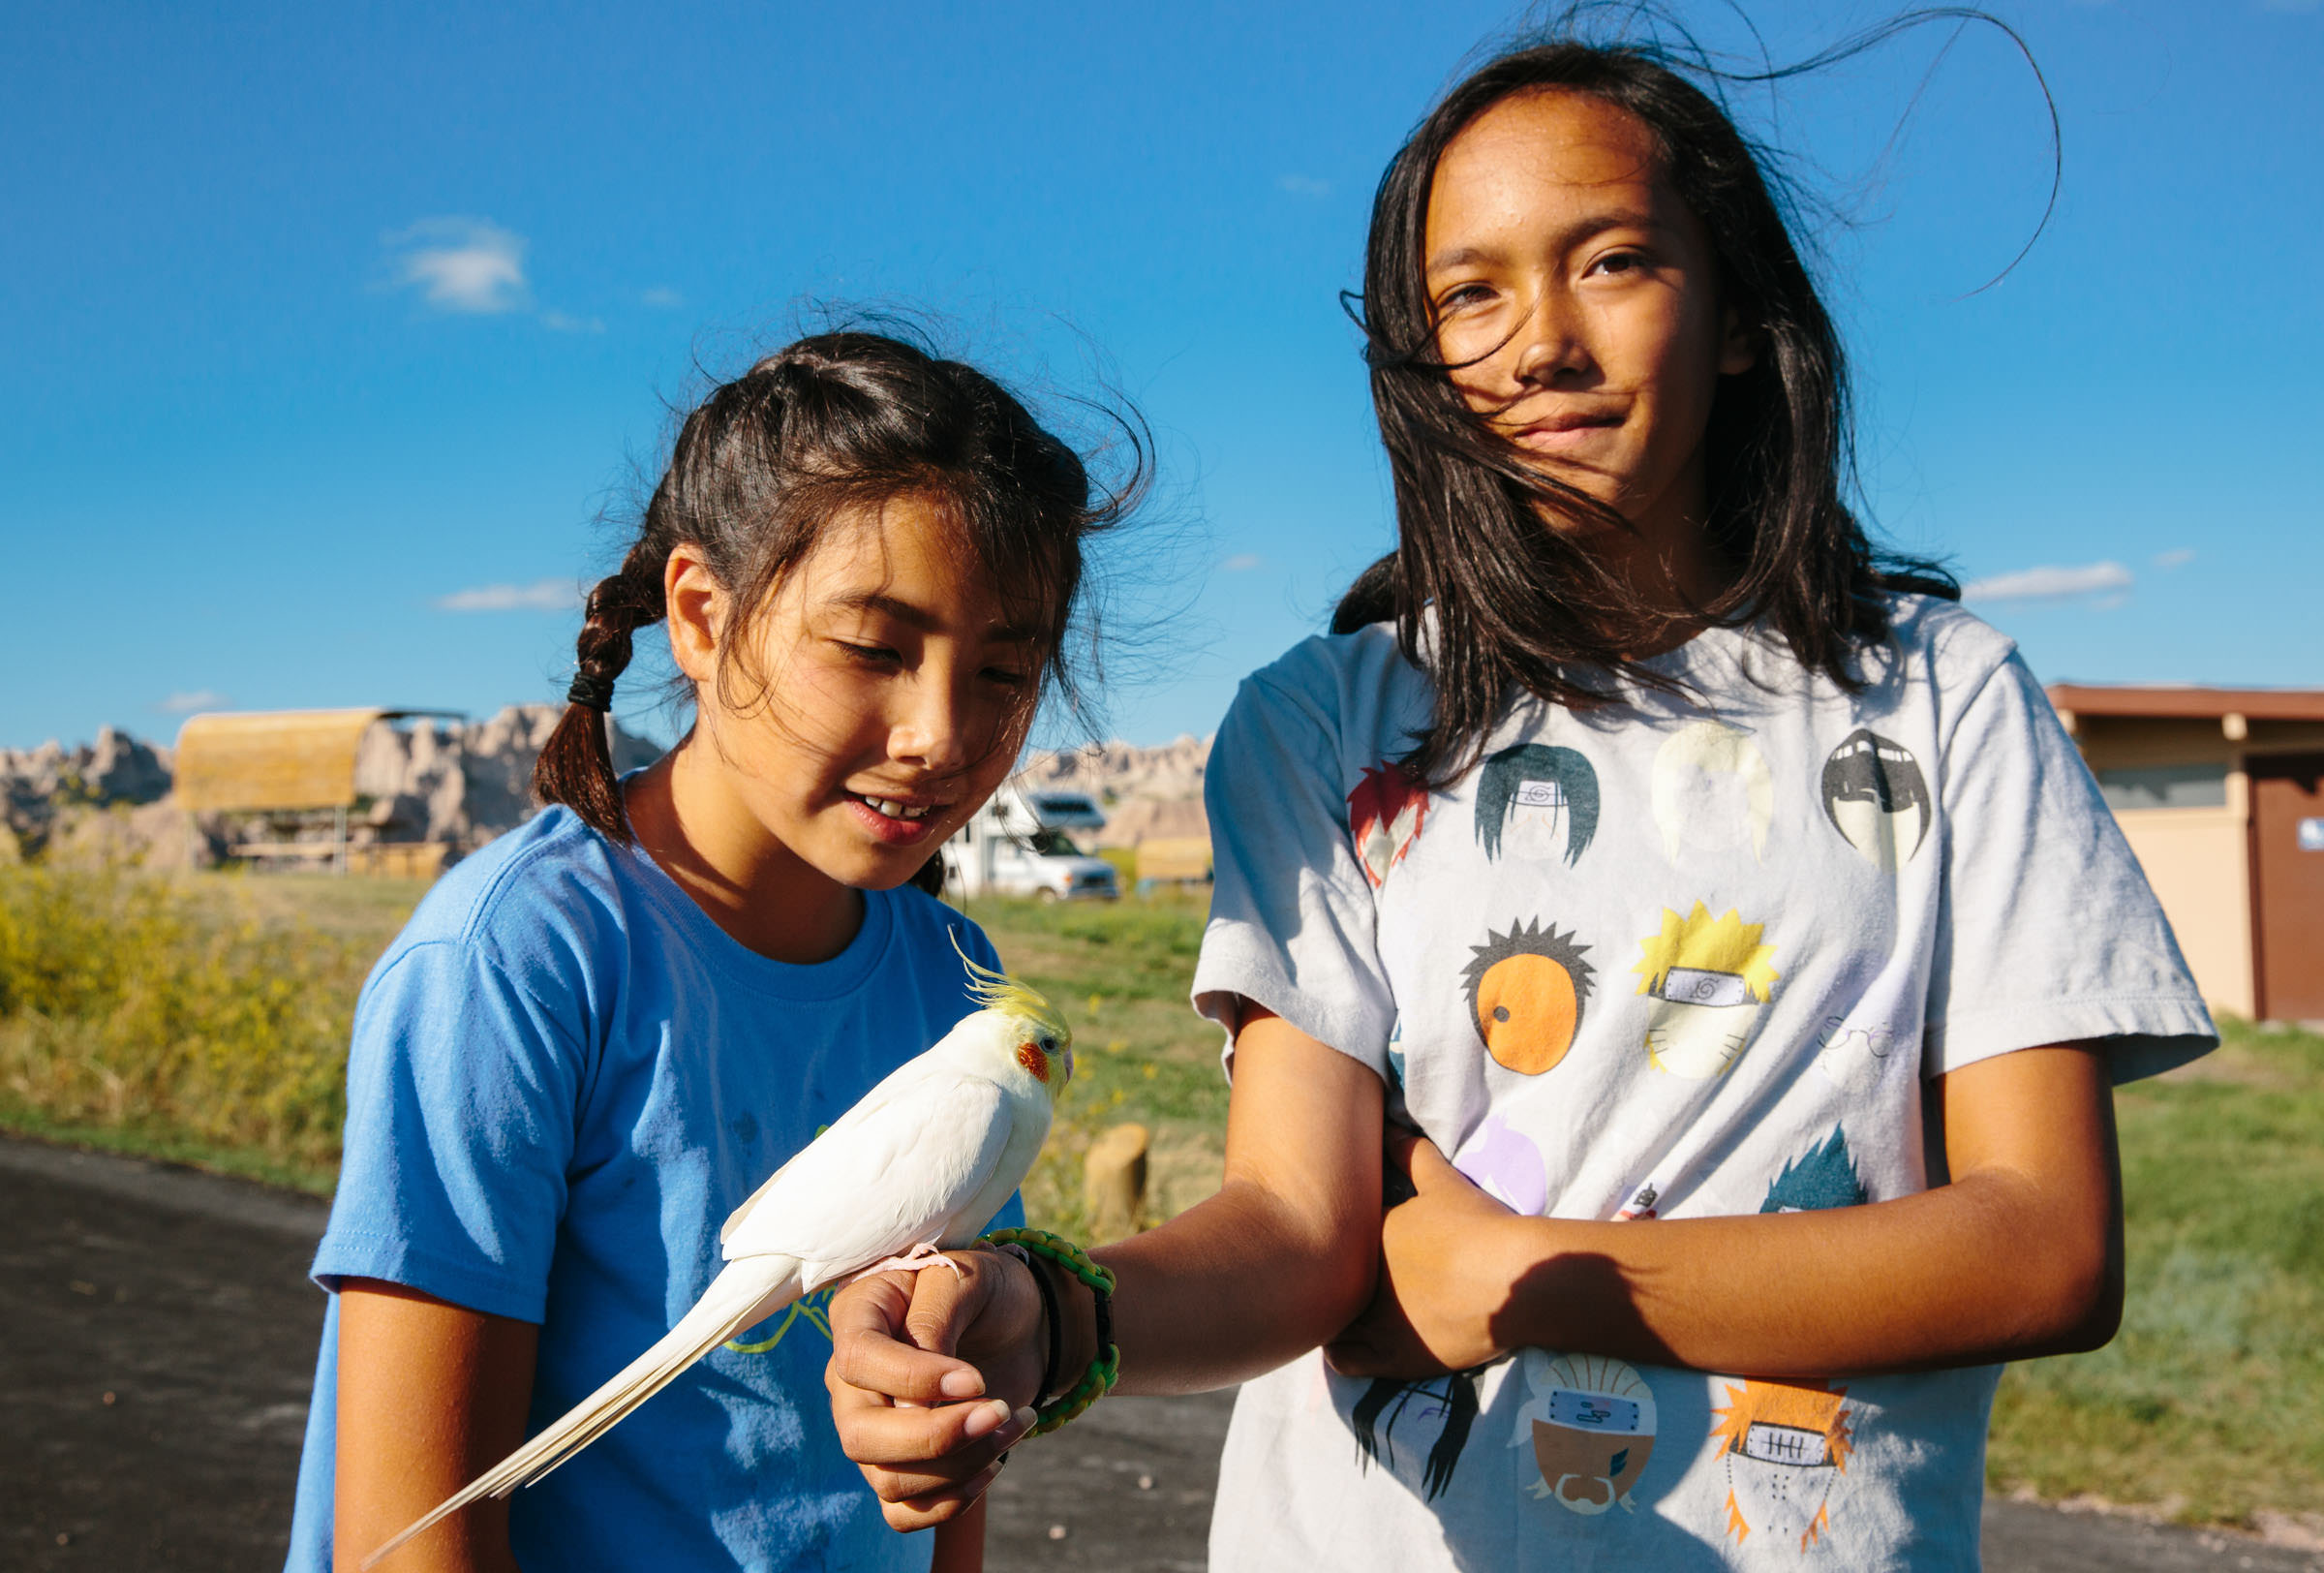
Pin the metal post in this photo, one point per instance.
(339, 839)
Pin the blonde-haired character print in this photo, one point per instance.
(1712, 788)
(1786, 1446)
(1708, 977)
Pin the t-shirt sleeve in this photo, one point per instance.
(2047, 932)
(461, 1093)
(1292, 916)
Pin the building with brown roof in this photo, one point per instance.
(2221, 795)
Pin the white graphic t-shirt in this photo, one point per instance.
(1691, 955)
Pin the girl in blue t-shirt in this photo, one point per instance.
(598, 1036)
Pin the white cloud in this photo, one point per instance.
(185, 705)
(662, 298)
(1302, 185)
(467, 265)
(2057, 583)
(1242, 563)
(2176, 557)
(541, 596)
(557, 321)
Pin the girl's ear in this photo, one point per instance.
(698, 609)
(1738, 345)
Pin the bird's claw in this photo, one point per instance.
(919, 1259)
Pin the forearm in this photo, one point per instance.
(1976, 1271)
(2020, 1254)
(1285, 1254)
(1233, 1287)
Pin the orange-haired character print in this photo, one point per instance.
(1526, 993)
(1786, 1446)
(1385, 812)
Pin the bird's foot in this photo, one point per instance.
(919, 1259)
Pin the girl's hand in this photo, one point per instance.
(1444, 1276)
(908, 1353)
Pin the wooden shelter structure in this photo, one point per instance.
(2220, 793)
(284, 763)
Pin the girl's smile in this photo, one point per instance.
(881, 694)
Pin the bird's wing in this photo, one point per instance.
(896, 1083)
(891, 1175)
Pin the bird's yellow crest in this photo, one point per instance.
(998, 991)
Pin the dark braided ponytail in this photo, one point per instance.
(832, 423)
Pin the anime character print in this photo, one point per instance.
(1502, 1162)
(1872, 787)
(1451, 1400)
(1590, 1420)
(1784, 1446)
(1708, 977)
(1823, 1176)
(1712, 788)
(1385, 814)
(1527, 990)
(1538, 801)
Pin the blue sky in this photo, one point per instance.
(331, 334)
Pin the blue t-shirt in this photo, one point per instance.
(564, 1077)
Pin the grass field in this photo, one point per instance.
(205, 1020)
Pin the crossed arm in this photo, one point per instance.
(2019, 1254)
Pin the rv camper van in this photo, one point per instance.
(1020, 843)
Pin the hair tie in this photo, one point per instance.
(593, 692)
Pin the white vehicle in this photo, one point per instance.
(1019, 844)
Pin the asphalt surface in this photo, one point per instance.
(157, 1345)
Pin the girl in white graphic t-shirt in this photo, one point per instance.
(1785, 810)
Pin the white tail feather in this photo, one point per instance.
(746, 1292)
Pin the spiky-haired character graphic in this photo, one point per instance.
(1708, 977)
(1823, 1176)
(1785, 1446)
(1539, 800)
(1871, 784)
(1453, 1397)
(1526, 993)
(1385, 812)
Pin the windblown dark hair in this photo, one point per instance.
(834, 423)
(1485, 595)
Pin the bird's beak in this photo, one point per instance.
(1069, 1062)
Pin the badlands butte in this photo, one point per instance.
(457, 784)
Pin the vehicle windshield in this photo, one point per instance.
(1054, 844)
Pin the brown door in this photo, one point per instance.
(2287, 880)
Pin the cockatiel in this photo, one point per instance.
(917, 1167)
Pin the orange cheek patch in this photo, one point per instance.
(1035, 1063)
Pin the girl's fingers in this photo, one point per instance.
(952, 1441)
(938, 1507)
(870, 1348)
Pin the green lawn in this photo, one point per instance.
(2211, 1400)
(205, 1020)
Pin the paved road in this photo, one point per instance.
(157, 1340)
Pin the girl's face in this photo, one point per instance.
(1577, 299)
(895, 693)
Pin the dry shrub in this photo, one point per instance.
(128, 1002)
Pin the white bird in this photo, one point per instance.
(918, 1166)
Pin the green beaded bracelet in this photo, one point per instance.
(1104, 1370)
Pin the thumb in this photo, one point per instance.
(945, 1303)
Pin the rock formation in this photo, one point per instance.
(458, 784)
